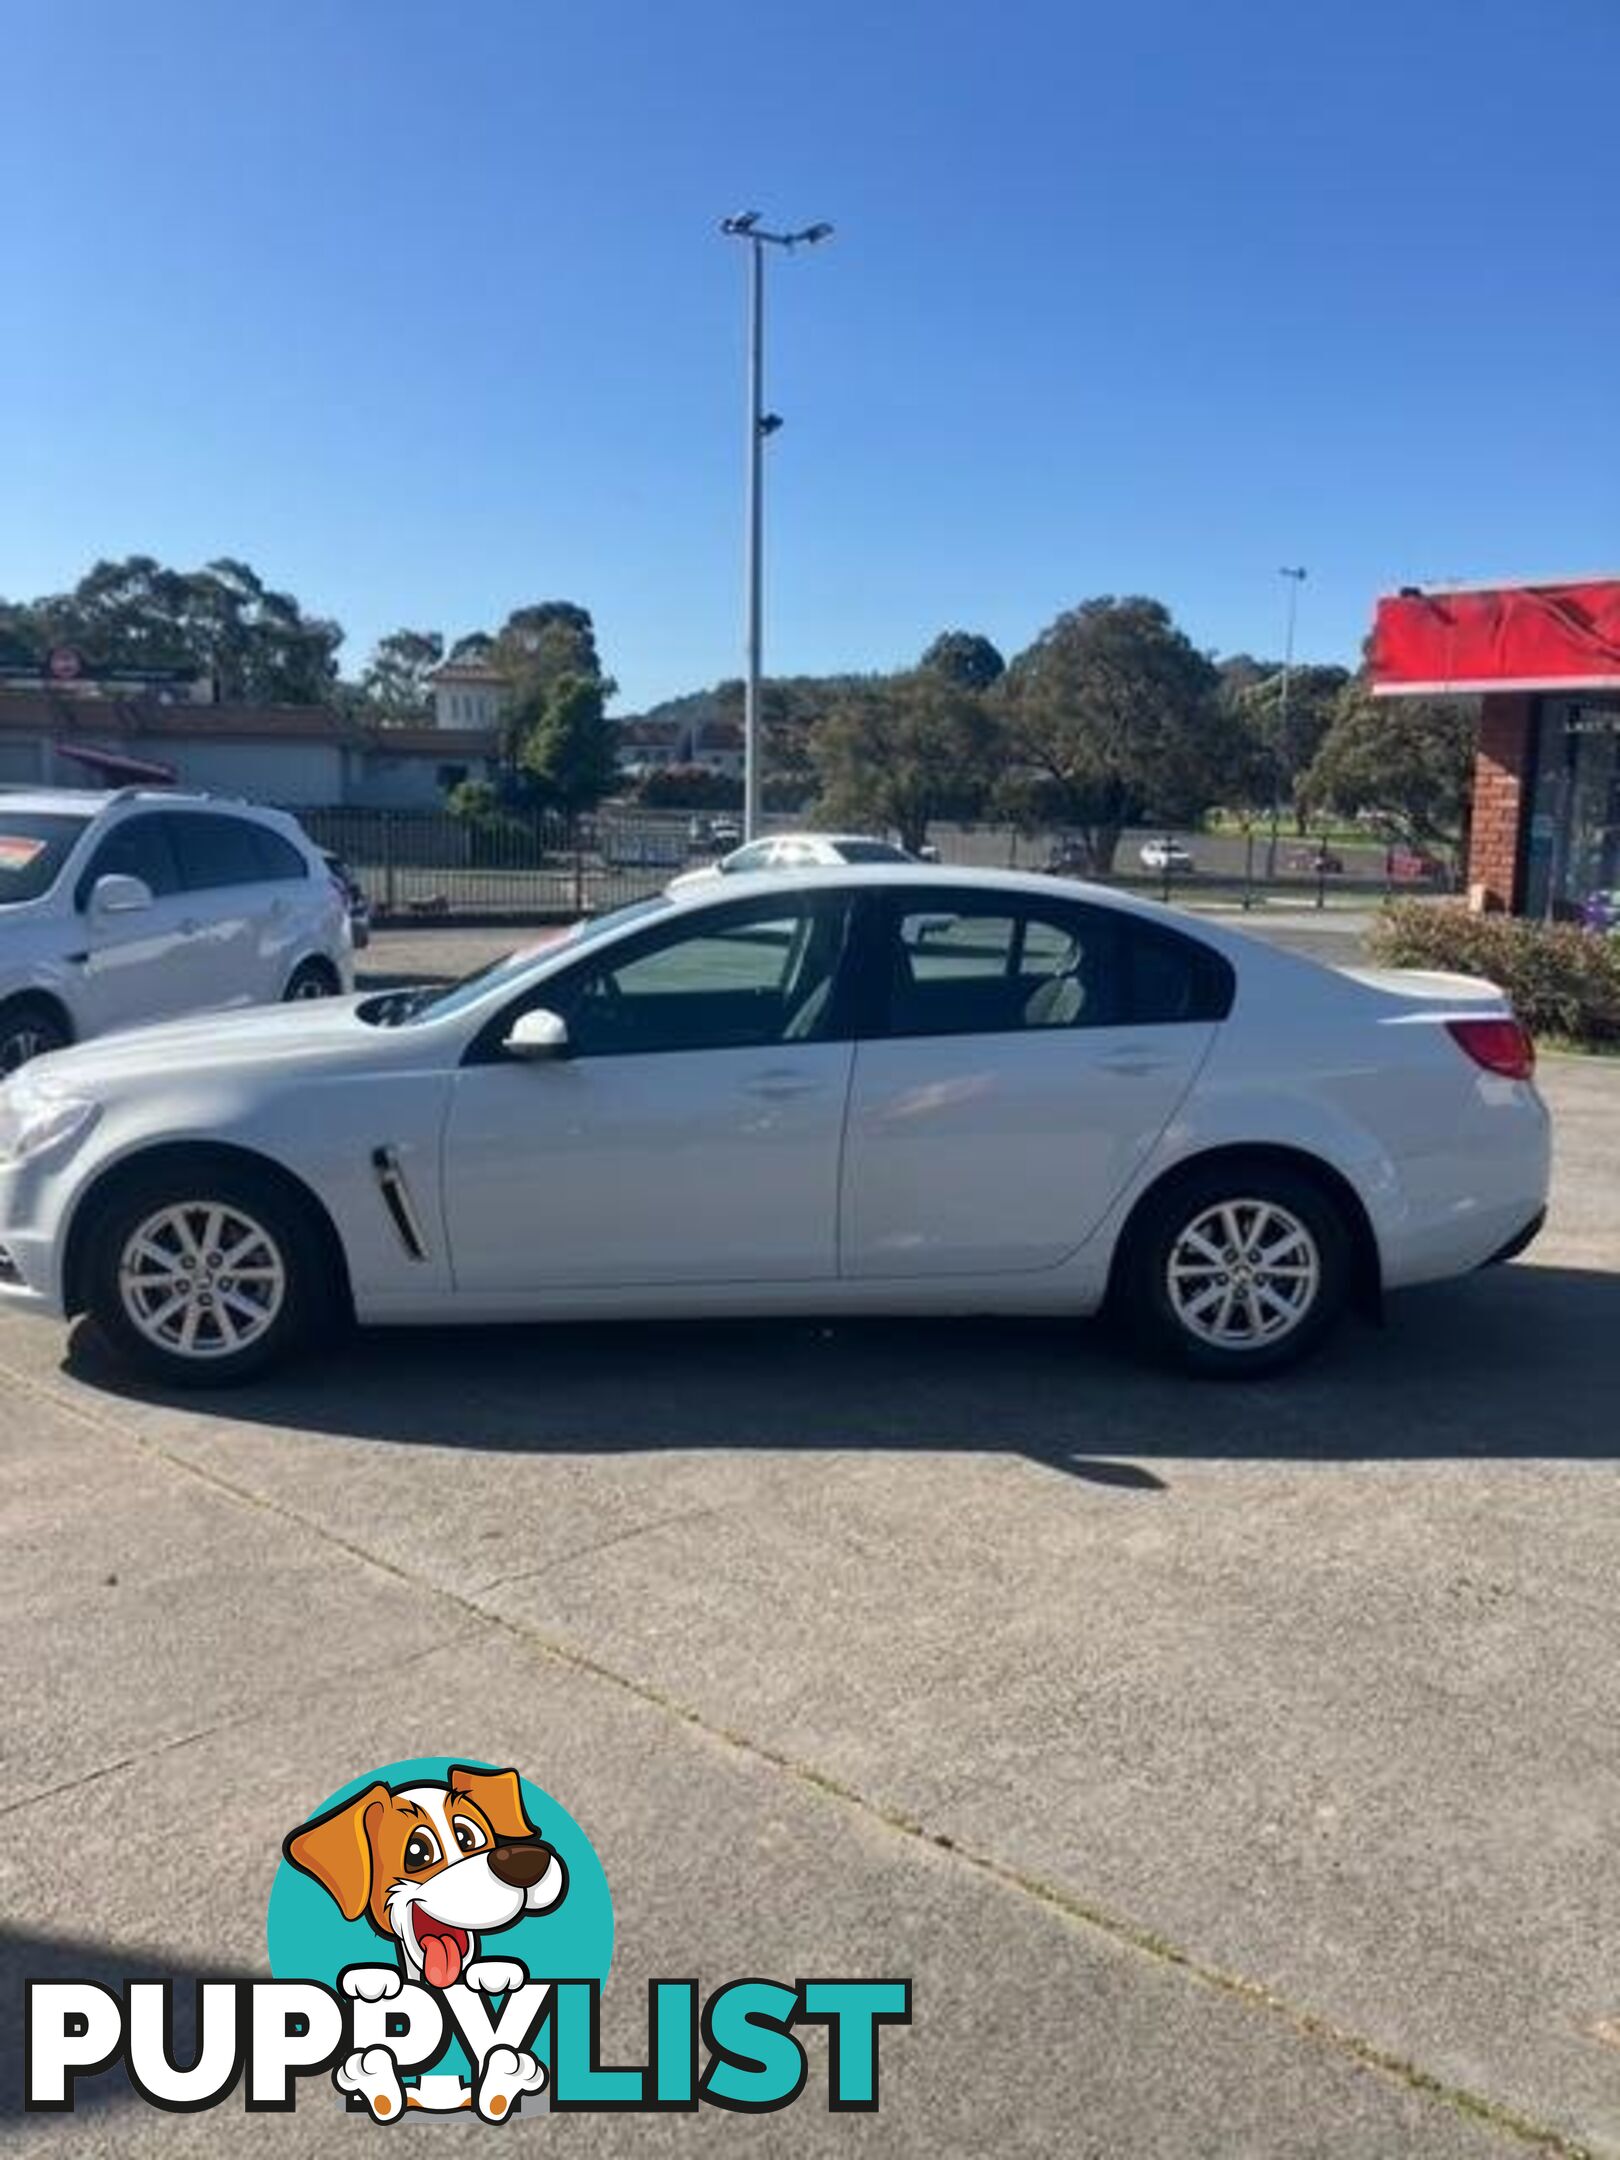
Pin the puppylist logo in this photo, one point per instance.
(439, 1934)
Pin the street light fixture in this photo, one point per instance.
(1295, 578)
(761, 424)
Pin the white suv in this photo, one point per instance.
(121, 909)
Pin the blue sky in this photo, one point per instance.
(421, 308)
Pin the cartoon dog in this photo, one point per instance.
(433, 1867)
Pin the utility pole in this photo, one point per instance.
(761, 424)
(1295, 578)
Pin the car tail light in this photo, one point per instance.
(1501, 1046)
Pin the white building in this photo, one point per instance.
(297, 756)
(468, 695)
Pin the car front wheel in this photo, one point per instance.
(204, 1278)
(311, 979)
(28, 1031)
(1236, 1271)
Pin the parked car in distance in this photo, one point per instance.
(1165, 854)
(725, 832)
(1315, 861)
(1067, 858)
(794, 851)
(1411, 864)
(878, 1088)
(355, 898)
(121, 909)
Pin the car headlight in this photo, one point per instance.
(34, 1118)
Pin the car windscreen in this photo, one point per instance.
(34, 844)
(401, 1008)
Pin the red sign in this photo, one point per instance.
(1498, 637)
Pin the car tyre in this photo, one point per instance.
(1236, 1271)
(28, 1029)
(207, 1276)
(311, 979)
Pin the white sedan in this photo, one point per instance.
(1166, 854)
(881, 1089)
(793, 851)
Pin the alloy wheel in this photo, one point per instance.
(201, 1279)
(1243, 1274)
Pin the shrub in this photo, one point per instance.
(1562, 980)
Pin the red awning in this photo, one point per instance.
(115, 766)
(1497, 637)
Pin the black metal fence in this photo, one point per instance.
(421, 864)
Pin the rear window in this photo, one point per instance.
(279, 861)
(858, 851)
(33, 847)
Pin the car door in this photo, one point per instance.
(690, 1135)
(1020, 1058)
(228, 905)
(142, 965)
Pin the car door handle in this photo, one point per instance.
(1134, 1059)
(778, 1086)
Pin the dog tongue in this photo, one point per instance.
(441, 1960)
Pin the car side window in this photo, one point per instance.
(214, 851)
(744, 979)
(279, 861)
(1166, 978)
(136, 847)
(972, 967)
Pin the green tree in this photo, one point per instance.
(1114, 713)
(1284, 739)
(475, 802)
(1403, 764)
(396, 678)
(689, 787)
(965, 658)
(221, 620)
(902, 751)
(566, 743)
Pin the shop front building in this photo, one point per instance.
(1544, 662)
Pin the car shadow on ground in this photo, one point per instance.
(1518, 1361)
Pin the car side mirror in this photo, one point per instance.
(115, 895)
(537, 1035)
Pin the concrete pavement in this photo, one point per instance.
(1234, 1770)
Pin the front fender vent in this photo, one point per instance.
(396, 1194)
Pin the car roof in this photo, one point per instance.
(90, 802)
(84, 802)
(924, 877)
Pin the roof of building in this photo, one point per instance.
(126, 720)
(649, 731)
(478, 672)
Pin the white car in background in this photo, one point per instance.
(1165, 854)
(792, 851)
(118, 910)
(889, 1089)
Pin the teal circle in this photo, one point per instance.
(309, 1939)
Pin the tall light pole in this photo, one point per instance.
(1296, 579)
(760, 425)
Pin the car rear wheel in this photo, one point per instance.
(27, 1031)
(1236, 1271)
(204, 1277)
(311, 979)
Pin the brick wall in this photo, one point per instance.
(1501, 785)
